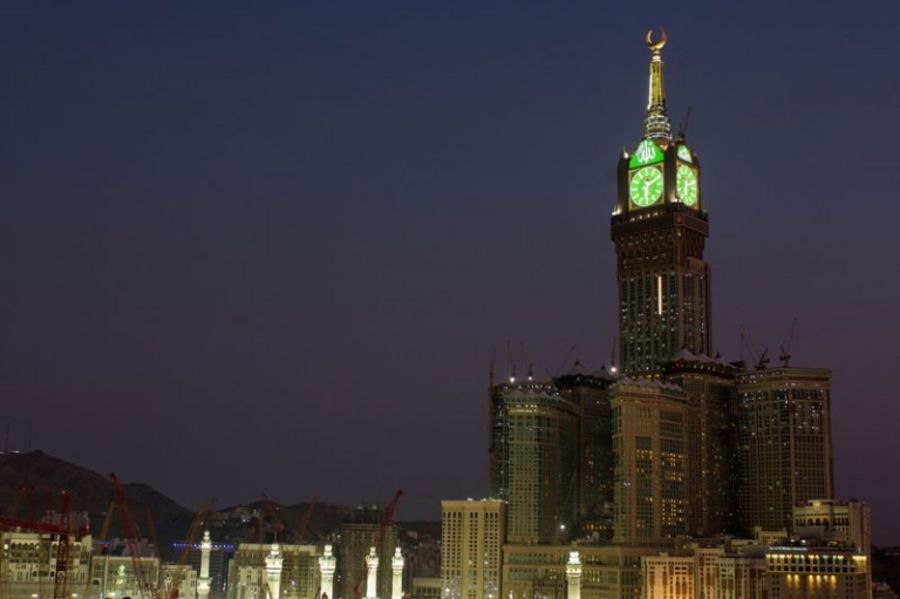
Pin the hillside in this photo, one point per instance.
(92, 492)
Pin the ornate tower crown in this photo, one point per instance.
(656, 123)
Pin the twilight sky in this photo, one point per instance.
(270, 246)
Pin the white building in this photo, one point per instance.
(28, 565)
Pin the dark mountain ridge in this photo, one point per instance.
(93, 493)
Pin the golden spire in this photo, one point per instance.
(657, 124)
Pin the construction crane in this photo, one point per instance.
(785, 356)
(758, 358)
(193, 534)
(63, 532)
(132, 537)
(378, 534)
(97, 549)
(154, 540)
(304, 523)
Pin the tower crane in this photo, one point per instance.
(386, 516)
(785, 356)
(97, 549)
(132, 537)
(193, 533)
(304, 523)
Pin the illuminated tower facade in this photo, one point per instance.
(784, 443)
(534, 460)
(650, 475)
(659, 228)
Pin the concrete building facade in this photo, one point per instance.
(472, 538)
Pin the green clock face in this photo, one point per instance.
(646, 186)
(646, 153)
(686, 184)
(684, 154)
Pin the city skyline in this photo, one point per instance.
(181, 267)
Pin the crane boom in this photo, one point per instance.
(132, 536)
(193, 532)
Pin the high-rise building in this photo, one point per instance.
(709, 389)
(594, 500)
(649, 430)
(360, 532)
(659, 228)
(533, 459)
(784, 443)
(472, 537)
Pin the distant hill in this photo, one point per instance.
(92, 492)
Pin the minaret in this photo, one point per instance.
(372, 574)
(326, 569)
(573, 576)
(274, 563)
(397, 568)
(203, 583)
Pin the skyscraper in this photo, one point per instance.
(589, 391)
(649, 432)
(784, 442)
(659, 228)
(711, 398)
(533, 459)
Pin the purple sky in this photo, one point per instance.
(271, 245)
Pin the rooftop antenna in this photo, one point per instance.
(682, 128)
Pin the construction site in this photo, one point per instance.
(49, 551)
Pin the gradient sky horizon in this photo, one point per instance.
(272, 246)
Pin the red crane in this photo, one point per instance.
(386, 516)
(132, 536)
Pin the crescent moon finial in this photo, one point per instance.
(656, 46)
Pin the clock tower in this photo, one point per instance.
(659, 228)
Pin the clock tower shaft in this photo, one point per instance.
(663, 280)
